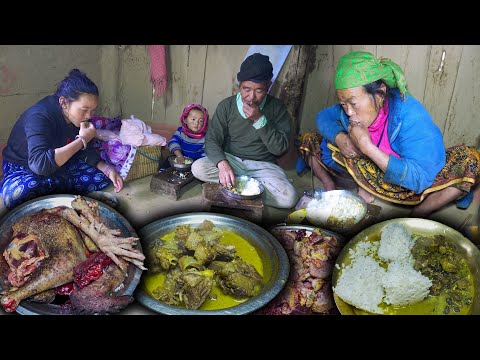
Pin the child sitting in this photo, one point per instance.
(189, 139)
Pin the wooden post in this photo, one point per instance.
(289, 88)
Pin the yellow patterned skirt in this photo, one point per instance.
(461, 170)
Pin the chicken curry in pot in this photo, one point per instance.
(205, 268)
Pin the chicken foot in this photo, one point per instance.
(91, 213)
(106, 240)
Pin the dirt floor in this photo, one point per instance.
(141, 206)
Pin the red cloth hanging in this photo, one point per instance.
(158, 69)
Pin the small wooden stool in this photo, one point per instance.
(171, 184)
(216, 201)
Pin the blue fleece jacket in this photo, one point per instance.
(412, 133)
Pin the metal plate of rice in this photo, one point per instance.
(241, 182)
(464, 248)
(336, 210)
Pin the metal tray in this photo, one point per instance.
(111, 218)
(271, 252)
(243, 178)
(425, 227)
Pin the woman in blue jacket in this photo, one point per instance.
(47, 151)
(387, 141)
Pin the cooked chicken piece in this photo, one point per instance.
(196, 288)
(237, 278)
(62, 247)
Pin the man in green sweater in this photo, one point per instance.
(246, 135)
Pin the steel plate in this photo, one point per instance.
(464, 247)
(331, 199)
(109, 216)
(272, 254)
(244, 178)
(183, 167)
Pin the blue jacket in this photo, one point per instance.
(412, 133)
(37, 133)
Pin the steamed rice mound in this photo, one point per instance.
(395, 244)
(361, 284)
(365, 284)
(341, 209)
(252, 187)
(404, 285)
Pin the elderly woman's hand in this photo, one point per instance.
(359, 135)
(346, 146)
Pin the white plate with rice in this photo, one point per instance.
(375, 271)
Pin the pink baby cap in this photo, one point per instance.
(201, 133)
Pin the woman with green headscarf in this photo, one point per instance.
(387, 140)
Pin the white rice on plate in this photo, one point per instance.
(361, 284)
(404, 285)
(318, 211)
(365, 283)
(395, 244)
(252, 187)
(342, 209)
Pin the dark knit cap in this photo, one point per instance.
(256, 68)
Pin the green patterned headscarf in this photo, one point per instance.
(362, 68)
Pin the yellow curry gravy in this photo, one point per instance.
(217, 298)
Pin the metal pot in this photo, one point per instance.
(274, 258)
